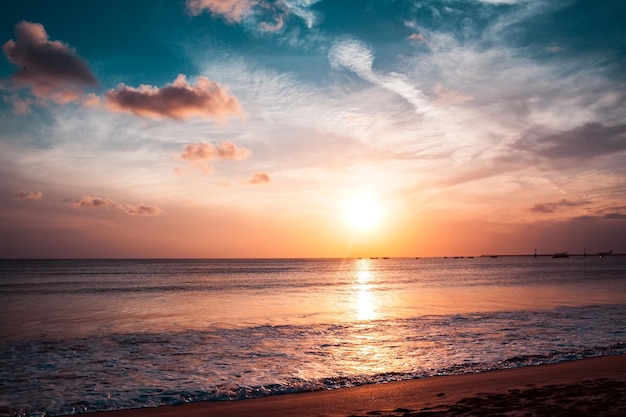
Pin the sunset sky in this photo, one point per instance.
(312, 128)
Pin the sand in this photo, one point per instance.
(589, 387)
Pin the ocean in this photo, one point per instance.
(92, 335)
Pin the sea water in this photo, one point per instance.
(89, 335)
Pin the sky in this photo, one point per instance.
(311, 128)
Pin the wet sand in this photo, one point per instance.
(589, 387)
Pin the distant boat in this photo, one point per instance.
(561, 255)
(601, 254)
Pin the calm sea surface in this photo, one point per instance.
(87, 335)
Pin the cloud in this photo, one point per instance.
(260, 178)
(501, 1)
(97, 202)
(583, 142)
(420, 38)
(178, 100)
(28, 195)
(259, 13)
(21, 105)
(552, 207)
(446, 97)
(231, 10)
(141, 210)
(198, 153)
(52, 69)
(205, 151)
(357, 57)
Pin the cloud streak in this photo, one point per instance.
(178, 100)
(555, 206)
(52, 69)
(130, 209)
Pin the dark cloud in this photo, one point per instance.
(542, 208)
(178, 100)
(51, 68)
(28, 195)
(141, 210)
(583, 142)
(595, 218)
(554, 206)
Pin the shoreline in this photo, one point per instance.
(593, 386)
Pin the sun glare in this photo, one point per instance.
(363, 212)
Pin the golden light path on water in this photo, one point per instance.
(367, 304)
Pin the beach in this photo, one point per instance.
(588, 387)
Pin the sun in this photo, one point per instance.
(363, 212)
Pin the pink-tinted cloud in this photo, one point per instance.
(231, 10)
(52, 69)
(273, 27)
(260, 178)
(178, 100)
(91, 100)
(420, 38)
(199, 153)
(205, 151)
(21, 105)
(97, 202)
(28, 195)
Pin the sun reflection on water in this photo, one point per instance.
(366, 302)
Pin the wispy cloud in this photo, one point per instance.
(178, 100)
(52, 69)
(357, 57)
(131, 209)
(264, 15)
(28, 195)
(231, 10)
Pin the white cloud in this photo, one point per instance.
(357, 57)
